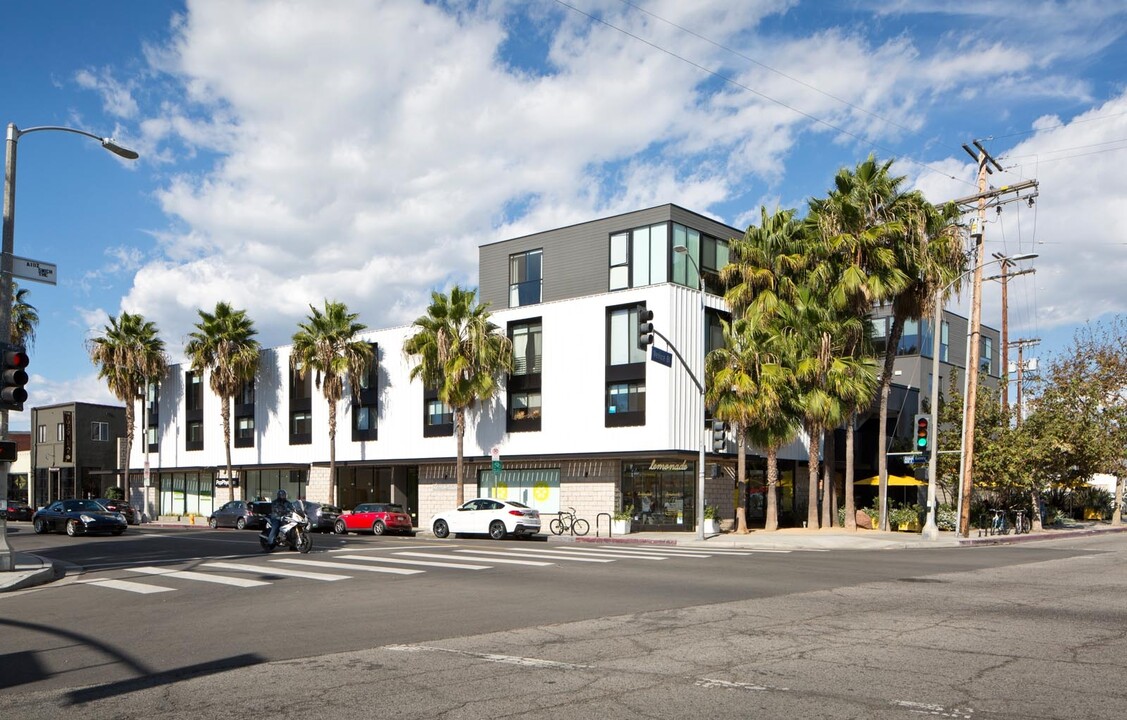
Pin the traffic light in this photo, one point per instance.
(923, 433)
(13, 376)
(719, 437)
(645, 328)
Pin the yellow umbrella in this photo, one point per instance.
(893, 481)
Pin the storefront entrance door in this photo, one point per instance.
(663, 495)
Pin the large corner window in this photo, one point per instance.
(625, 370)
(639, 257)
(193, 411)
(709, 253)
(909, 338)
(526, 278)
(526, 380)
(365, 400)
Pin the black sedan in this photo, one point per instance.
(120, 506)
(322, 518)
(78, 517)
(19, 510)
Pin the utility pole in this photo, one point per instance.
(1004, 276)
(1021, 344)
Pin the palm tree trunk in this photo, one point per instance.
(741, 476)
(850, 503)
(815, 433)
(332, 451)
(894, 334)
(460, 432)
(1116, 505)
(829, 501)
(771, 522)
(129, 414)
(1035, 512)
(225, 413)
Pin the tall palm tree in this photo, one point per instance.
(25, 318)
(129, 353)
(461, 352)
(223, 345)
(326, 345)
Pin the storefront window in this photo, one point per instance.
(662, 493)
(539, 489)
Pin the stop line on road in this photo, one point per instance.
(399, 561)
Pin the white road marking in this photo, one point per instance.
(545, 554)
(347, 566)
(133, 587)
(427, 563)
(932, 709)
(641, 552)
(278, 571)
(714, 683)
(507, 561)
(390, 547)
(491, 657)
(604, 553)
(201, 577)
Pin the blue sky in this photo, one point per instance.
(362, 150)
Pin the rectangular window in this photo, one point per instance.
(364, 419)
(986, 361)
(526, 278)
(193, 393)
(301, 387)
(193, 436)
(246, 394)
(59, 432)
(301, 426)
(944, 340)
(909, 339)
(622, 344)
(639, 257)
(41, 434)
(626, 398)
(527, 348)
(439, 413)
(365, 402)
(619, 261)
(151, 437)
(539, 489)
(244, 429)
(100, 431)
(524, 406)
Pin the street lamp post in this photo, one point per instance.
(6, 266)
(931, 529)
(684, 250)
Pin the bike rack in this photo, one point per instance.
(609, 531)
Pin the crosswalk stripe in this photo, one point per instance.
(133, 587)
(637, 552)
(507, 561)
(545, 554)
(278, 571)
(348, 566)
(607, 554)
(201, 577)
(427, 563)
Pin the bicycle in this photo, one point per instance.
(567, 522)
(1022, 524)
(998, 526)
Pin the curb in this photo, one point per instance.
(49, 572)
(1029, 537)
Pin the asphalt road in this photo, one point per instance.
(1035, 630)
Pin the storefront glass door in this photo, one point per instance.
(663, 495)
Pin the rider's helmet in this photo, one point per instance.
(281, 494)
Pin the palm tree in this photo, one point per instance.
(25, 318)
(326, 345)
(128, 354)
(223, 344)
(459, 351)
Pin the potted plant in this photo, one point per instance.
(906, 518)
(711, 522)
(620, 521)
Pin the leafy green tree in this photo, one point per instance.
(326, 344)
(223, 345)
(459, 351)
(129, 354)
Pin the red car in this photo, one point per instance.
(376, 518)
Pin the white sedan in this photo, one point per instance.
(486, 516)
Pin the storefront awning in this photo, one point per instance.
(893, 480)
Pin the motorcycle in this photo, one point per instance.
(294, 532)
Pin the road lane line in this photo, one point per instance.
(278, 571)
(427, 563)
(506, 561)
(348, 566)
(201, 577)
(127, 586)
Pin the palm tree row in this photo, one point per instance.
(798, 352)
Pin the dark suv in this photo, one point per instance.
(120, 506)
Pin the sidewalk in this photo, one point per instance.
(33, 570)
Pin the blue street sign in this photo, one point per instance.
(661, 356)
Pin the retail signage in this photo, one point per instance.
(669, 466)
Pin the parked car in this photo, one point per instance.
(122, 507)
(376, 518)
(487, 516)
(234, 514)
(322, 518)
(259, 512)
(17, 510)
(78, 517)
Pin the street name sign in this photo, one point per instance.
(36, 270)
(661, 356)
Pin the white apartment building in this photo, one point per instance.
(586, 420)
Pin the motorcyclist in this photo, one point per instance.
(278, 511)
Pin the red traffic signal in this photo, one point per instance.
(13, 376)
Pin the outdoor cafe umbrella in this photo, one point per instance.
(906, 495)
